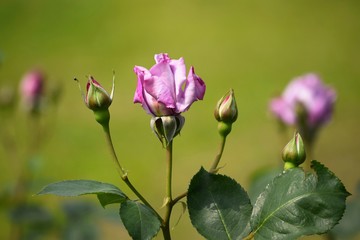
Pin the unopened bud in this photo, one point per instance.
(226, 113)
(294, 153)
(96, 96)
(31, 91)
(226, 108)
(98, 100)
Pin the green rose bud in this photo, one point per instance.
(226, 109)
(98, 100)
(226, 113)
(294, 153)
(96, 96)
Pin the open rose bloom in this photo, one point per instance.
(316, 99)
(165, 90)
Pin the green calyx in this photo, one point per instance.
(289, 165)
(224, 128)
(167, 127)
(102, 117)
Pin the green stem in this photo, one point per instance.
(178, 198)
(123, 173)
(169, 171)
(169, 203)
(119, 168)
(214, 167)
(309, 154)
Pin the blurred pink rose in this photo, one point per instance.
(31, 90)
(165, 90)
(315, 98)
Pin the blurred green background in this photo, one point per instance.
(254, 47)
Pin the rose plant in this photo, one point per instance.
(293, 204)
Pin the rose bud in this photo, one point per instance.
(226, 108)
(98, 100)
(32, 90)
(226, 113)
(294, 153)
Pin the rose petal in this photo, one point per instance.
(138, 97)
(162, 57)
(179, 70)
(283, 110)
(161, 85)
(310, 91)
(194, 90)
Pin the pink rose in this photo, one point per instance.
(31, 90)
(164, 90)
(315, 98)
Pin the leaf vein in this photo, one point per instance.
(220, 215)
(288, 203)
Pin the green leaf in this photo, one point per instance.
(296, 203)
(107, 193)
(140, 221)
(219, 207)
(110, 198)
(349, 225)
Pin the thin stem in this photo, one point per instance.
(169, 170)
(309, 154)
(120, 169)
(168, 200)
(123, 172)
(178, 198)
(166, 232)
(214, 167)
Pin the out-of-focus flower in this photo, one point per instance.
(7, 97)
(164, 90)
(294, 153)
(54, 92)
(306, 96)
(31, 90)
(226, 109)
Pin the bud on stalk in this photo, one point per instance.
(294, 153)
(98, 100)
(226, 113)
